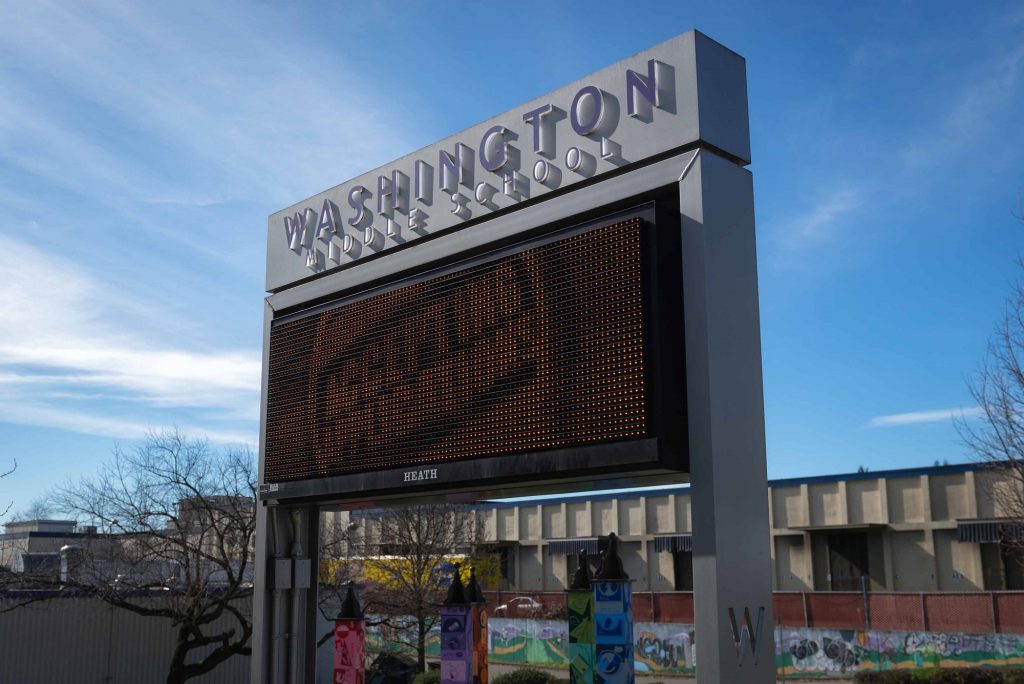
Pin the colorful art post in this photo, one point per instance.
(579, 601)
(613, 620)
(478, 619)
(456, 634)
(350, 641)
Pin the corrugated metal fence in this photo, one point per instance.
(85, 640)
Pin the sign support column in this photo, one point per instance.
(725, 413)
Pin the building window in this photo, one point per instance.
(847, 561)
(507, 566)
(1013, 567)
(682, 566)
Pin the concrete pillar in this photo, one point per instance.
(732, 559)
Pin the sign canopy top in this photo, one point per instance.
(687, 91)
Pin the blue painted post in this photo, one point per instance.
(613, 620)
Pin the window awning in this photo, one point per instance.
(855, 527)
(569, 547)
(989, 531)
(674, 542)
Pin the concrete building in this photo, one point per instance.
(923, 529)
(213, 526)
(33, 546)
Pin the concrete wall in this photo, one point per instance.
(909, 519)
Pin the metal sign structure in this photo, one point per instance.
(562, 296)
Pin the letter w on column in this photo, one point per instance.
(747, 629)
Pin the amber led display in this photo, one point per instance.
(536, 350)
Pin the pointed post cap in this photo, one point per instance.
(350, 608)
(611, 563)
(581, 580)
(474, 593)
(456, 590)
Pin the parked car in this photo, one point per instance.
(520, 606)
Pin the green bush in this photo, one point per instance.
(972, 676)
(428, 677)
(944, 676)
(885, 677)
(525, 675)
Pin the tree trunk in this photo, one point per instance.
(421, 644)
(176, 671)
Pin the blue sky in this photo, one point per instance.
(143, 145)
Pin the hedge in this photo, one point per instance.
(944, 676)
(428, 677)
(525, 675)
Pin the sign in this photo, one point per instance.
(532, 353)
(687, 90)
(503, 312)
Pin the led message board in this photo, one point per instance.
(514, 366)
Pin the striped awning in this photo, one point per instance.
(570, 547)
(674, 542)
(990, 531)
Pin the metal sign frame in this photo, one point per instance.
(723, 383)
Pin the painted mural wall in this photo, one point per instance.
(670, 649)
(824, 652)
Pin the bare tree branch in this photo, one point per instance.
(2, 476)
(401, 558)
(997, 440)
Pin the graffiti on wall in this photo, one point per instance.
(670, 649)
(826, 652)
(664, 648)
(658, 647)
(534, 642)
(834, 653)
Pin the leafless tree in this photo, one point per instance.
(997, 439)
(175, 526)
(2, 476)
(38, 509)
(402, 558)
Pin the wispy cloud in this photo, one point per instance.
(919, 417)
(64, 330)
(190, 104)
(823, 220)
(971, 111)
(112, 139)
(44, 415)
